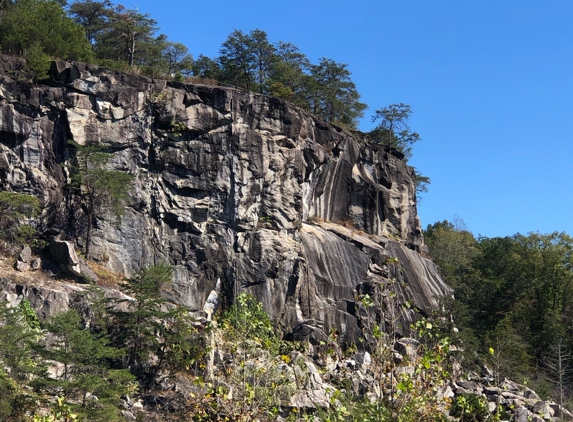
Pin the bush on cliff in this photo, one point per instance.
(16, 209)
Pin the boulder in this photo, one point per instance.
(25, 255)
(64, 253)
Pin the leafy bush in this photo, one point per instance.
(247, 320)
(471, 408)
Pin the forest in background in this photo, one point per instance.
(513, 307)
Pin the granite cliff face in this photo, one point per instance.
(228, 184)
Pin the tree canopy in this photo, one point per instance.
(513, 293)
(393, 129)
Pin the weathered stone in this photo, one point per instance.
(530, 394)
(64, 253)
(522, 415)
(407, 347)
(128, 415)
(363, 358)
(471, 386)
(229, 185)
(36, 264)
(561, 412)
(543, 409)
(22, 266)
(25, 255)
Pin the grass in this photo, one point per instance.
(106, 277)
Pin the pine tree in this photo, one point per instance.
(155, 335)
(86, 359)
(98, 188)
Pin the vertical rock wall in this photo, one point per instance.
(228, 184)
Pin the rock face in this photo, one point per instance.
(228, 184)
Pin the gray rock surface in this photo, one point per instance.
(228, 184)
(64, 254)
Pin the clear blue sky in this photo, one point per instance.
(490, 84)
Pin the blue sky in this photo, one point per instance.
(490, 84)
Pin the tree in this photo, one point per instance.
(125, 35)
(40, 30)
(85, 357)
(99, 189)
(177, 59)
(393, 130)
(333, 95)
(246, 59)
(164, 58)
(15, 211)
(207, 68)
(558, 361)
(154, 335)
(92, 15)
(507, 351)
(236, 59)
(289, 74)
(264, 56)
(422, 183)
(453, 248)
(19, 332)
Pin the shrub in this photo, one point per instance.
(15, 211)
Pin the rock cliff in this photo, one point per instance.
(229, 185)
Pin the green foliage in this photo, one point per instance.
(18, 335)
(85, 358)
(207, 68)
(471, 408)
(250, 61)
(507, 352)
(59, 412)
(38, 29)
(514, 298)
(28, 315)
(289, 74)
(246, 59)
(15, 210)
(334, 96)
(37, 62)
(247, 320)
(98, 188)
(393, 129)
(93, 16)
(254, 385)
(126, 34)
(155, 336)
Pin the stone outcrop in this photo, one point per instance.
(517, 400)
(64, 254)
(229, 185)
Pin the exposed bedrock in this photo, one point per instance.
(228, 184)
